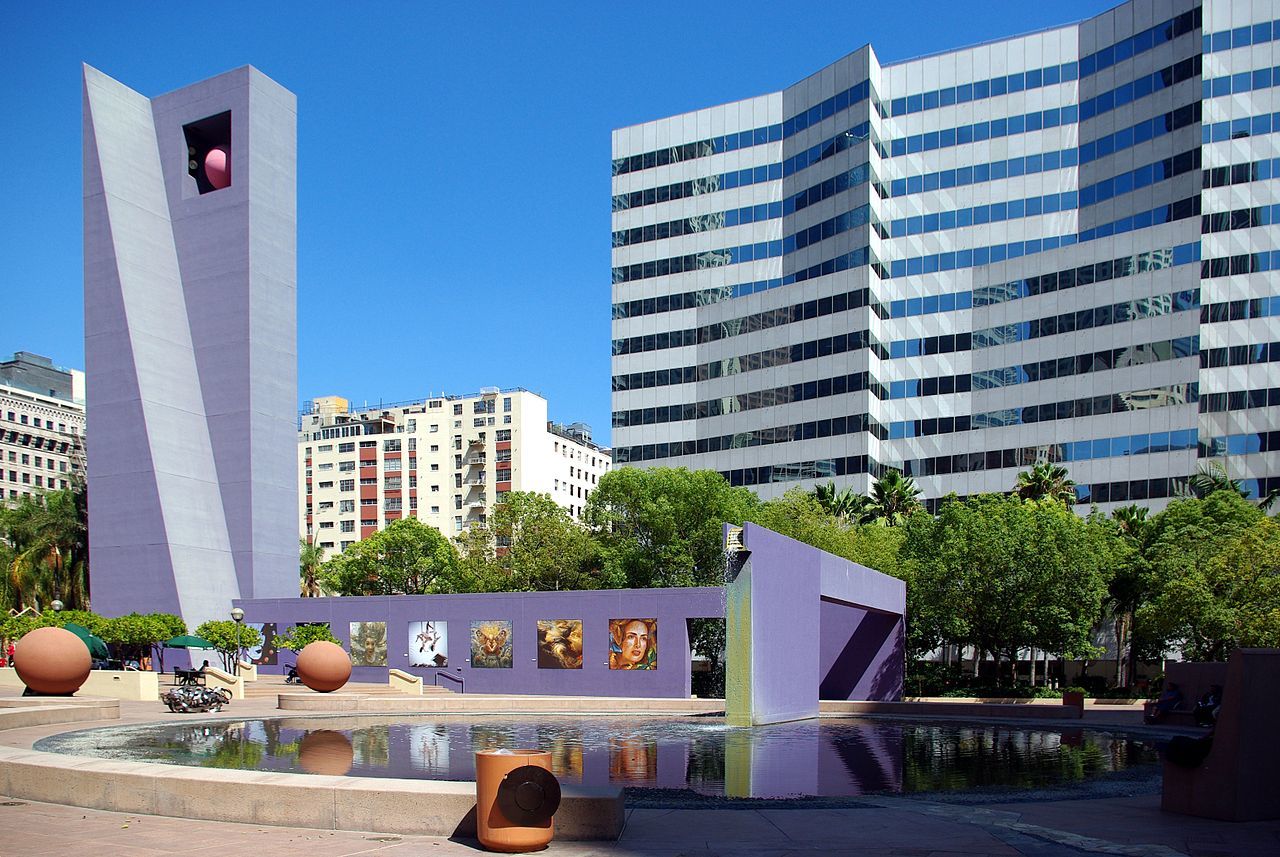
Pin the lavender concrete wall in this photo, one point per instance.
(774, 596)
(190, 349)
(671, 607)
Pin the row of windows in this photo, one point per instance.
(697, 187)
(1141, 177)
(1085, 319)
(1083, 364)
(1225, 40)
(749, 253)
(978, 173)
(1139, 43)
(855, 177)
(37, 441)
(1172, 395)
(1245, 81)
(745, 139)
(746, 324)
(1140, 88)
(1084, 275)
(978, 215)
(979, 256)
(1240, 400)
(1256, 171)
(1239, 444)
(1147, 129)
(37, 422)
(697, 223)
(1238, 129)
(1240, 218)
(980, 89)
(25, 479)
(986, 130)
(1245, 263)
(1240, 355)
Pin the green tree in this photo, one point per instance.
(531, 544)
(48, 553)
(297, 637)
(895, 497)
(663, 527)
(1002, 575)
(845, 505)
(800, 515)
(406, 558)
(1213, 477)
(136, 634)
(229, 638)
(1046, 479)
(1128, 588)
(1213, 577)
(310, 558)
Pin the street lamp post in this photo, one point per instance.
(237, 615)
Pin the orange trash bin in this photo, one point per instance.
(516, 797)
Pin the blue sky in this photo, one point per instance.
(453, 160)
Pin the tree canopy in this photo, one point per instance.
(529, 544)
(406, 558)
(664, 526)
(44, 543)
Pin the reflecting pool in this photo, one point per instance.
(830, 757)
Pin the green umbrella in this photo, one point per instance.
(97, 647)
(187, 641)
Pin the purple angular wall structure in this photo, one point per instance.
(785, 598)
(190, 344)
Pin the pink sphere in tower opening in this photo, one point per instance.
(217, 167)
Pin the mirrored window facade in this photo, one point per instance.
(1058, 246)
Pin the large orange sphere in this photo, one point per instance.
(52, 660)
(326, 752)
(323, 666)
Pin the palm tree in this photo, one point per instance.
(846, 505)
(894, 497)
(1127, 589)
(1214, 477)
(310, 558)
(50, 551)
(1046, 479)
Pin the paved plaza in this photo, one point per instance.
(880, 825)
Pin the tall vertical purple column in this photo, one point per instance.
(191, 343)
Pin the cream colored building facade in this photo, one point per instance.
(42, 426)
(445, 460)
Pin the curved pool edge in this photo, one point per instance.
(384, 805)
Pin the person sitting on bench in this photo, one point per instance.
(1206, 711)
(1170, 699)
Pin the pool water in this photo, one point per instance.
(828, 757)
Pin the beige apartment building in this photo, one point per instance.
(42, 425)
(445, 460)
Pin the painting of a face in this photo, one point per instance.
(428, 644)
(491, 644)
(559, 644)
(369, 644)
(633, 644)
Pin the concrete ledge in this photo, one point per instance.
(953, 708)
(428, 807)
(456, 703)
(140, 685)
(216, 678)
(405, 682)
(43, 711)
(247, 671)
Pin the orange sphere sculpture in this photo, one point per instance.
(323, 666)
(326, 752)
(52, 660)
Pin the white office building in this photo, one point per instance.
(1060, 246)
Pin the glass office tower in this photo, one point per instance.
(1060, 246)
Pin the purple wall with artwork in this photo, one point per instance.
(661, 670)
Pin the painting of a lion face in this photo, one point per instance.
(491, 644)
(559, 644)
